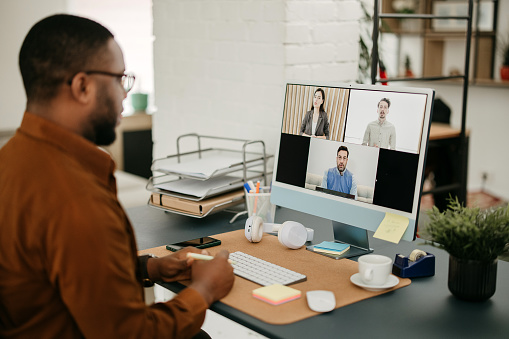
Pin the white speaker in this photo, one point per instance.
(290, 234)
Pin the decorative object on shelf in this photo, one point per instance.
(408, 67)
(504, 69)
(474, 238)
(404, 6)
(383, 71)
(139, 101)
(407, 7)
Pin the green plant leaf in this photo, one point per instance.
(469, 233)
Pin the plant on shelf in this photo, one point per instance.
(404, 6)
(407, 7)
(504, 69)
(408, 67)
(474, 238)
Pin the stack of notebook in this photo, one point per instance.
(331, 247)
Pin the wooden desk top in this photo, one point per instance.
(443, 131)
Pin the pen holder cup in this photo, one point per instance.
(259, 204)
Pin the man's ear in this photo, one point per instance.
(82, 88)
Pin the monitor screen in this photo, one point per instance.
(352, 153)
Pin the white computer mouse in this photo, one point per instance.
(321, 301)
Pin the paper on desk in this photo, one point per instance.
(392, 228)
(204, 168)
(200, 188)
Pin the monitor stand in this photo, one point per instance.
(356, 237)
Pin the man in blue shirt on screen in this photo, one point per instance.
(339, 178)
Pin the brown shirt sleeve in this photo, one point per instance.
(93, 265)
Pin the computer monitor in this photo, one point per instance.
(365, 156)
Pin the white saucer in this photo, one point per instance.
(391, 282)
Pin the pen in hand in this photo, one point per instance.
(205, 257)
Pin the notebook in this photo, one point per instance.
(331, 247)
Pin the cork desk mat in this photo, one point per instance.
(322, 273)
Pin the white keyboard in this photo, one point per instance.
(263, 272)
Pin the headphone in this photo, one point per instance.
(290, 234)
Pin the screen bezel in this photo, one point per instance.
(347, 211)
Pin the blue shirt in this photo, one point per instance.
(345, 183)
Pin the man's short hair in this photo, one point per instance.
(343, 148)
(55, 49)
(386, 100)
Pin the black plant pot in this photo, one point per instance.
(472, 280)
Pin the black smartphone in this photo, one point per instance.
(198, 243)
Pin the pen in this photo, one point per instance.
(205, 257)
(247, 187)
(258, 187)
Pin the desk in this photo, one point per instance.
(425, 309)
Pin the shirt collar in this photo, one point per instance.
(340, 172)
(90, 156)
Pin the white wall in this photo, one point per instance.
(130, 21)
(16, 18)
(220, 66)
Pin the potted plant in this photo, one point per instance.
(503, 49)
(408, 67)
(407, 7)
(474, 238)
(504, 69)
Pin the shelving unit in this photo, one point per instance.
(207, 179)
(438, 31)
(432, 70)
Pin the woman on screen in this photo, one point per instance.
(316, 123)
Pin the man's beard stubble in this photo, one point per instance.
(104, 120)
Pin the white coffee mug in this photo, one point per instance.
(374, 269)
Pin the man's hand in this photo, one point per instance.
(173, 267)
(213, 279)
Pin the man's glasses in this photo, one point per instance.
(126, 79)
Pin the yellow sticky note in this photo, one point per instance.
(392, 228)
(276, 294)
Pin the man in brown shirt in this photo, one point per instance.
(69, 267)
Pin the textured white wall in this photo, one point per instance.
(220, 66)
